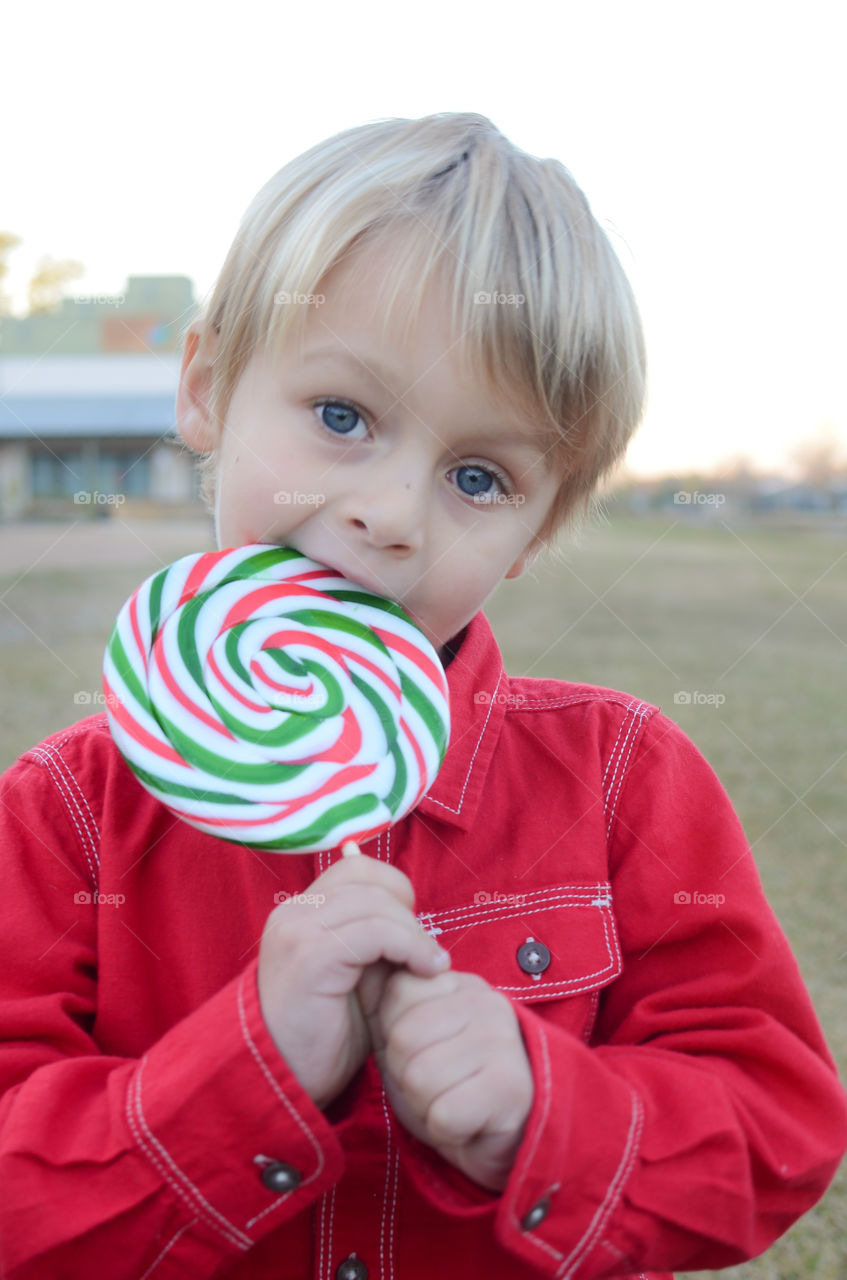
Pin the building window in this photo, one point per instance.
(62, 472)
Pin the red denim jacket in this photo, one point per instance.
(686, 1109)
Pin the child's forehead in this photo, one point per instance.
(377, 307)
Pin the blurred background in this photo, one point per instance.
(709, 141)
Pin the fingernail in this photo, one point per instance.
(441, 958)
(350, 849)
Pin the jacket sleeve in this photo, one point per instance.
(706, 1115)
(129, 1166)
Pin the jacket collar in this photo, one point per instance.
(478, 684)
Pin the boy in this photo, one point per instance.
(419, 359)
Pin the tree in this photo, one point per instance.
(46, 286)
(8, 242)
(820, 459)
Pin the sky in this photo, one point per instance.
(709, 139)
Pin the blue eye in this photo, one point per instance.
(474, 481)
(338, 417)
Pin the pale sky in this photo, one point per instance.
(709, 139)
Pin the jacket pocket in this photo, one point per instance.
(494, 936)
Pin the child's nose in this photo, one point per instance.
(389, 513)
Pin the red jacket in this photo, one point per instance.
(686, 1109)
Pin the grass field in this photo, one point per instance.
(755, 616)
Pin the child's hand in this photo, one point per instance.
(313, 952)
(455, 1069)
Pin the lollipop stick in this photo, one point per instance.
(350, 849)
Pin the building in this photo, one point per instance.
(87, 396)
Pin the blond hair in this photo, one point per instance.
(567, 341)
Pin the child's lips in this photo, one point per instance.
(361, 580)
(357, 577)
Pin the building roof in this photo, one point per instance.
(88, 396)
(23, 417)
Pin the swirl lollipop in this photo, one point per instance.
(268, 701)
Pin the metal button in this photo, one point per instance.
(533, 957)
(352, 1268)
(536, 1215)
(280, 1177)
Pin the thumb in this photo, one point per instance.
(369, 992)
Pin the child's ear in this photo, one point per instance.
(526, 558)
(193, 397)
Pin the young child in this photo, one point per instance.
(420, 358)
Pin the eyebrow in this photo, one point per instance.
(371, 366)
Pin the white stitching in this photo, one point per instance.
(533, 898)
(392, 1160)
(544, 989)
(211, 1217)
(638, 712)
(321, 1229)
(168, 1246)
(40, 751)
(84, 800)
(543, 704)
(623, 775)
(491, 706)
(245, 1031)
(622, 727)
(591, 1017)
(330, 1231)
(89, 845)
(613, 1193)
(546, 1093)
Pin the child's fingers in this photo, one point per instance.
(354, 868)
(354, 924)
(369, 938)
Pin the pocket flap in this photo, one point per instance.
(574, 924)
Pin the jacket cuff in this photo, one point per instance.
(214, 1107)
(580, 1147)
(558, 1207)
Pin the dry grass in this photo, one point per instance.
(653, 607)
